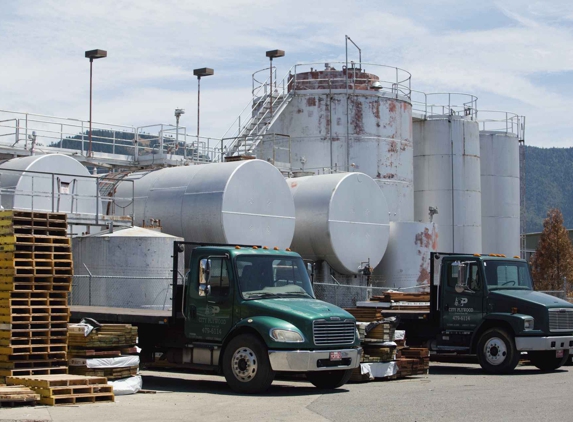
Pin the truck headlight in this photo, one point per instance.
(528, 324)
(286, 336)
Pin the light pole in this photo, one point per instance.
(178, 113)
(271, 54)
(92, 55)
(205, 71)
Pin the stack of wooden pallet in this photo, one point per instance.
(413, 361)
(107, 351)
(66, 389)
(365, 314)
(13, 395)
(404, 301)
(35, 277)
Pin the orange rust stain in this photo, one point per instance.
(393, 147)
(311, 101)
(375, 106)
(357, 119)
(392, 107)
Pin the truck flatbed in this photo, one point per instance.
(120, 315)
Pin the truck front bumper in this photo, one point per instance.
(313, 360)
(523, 344)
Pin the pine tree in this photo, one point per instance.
(552, 262)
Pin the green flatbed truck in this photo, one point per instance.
(485, 305)
(247, 313)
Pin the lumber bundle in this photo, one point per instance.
(107, 351)
(11, 395)
(401, 301)
(66, 389)
(365, 314)
(36, 272)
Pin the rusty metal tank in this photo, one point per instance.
(447, 179)
(406, 263)
(356, 119)
(341, 219)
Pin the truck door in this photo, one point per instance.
(462, 299)
(209, 310)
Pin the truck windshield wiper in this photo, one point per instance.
(294, 294)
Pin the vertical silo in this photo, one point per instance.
(352, 120)
(447, 176)
(500, 183)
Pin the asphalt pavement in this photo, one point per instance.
(452, 392)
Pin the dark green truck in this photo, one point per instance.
(247, 313)
(485, 305)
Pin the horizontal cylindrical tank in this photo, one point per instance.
(53, 182)
(127, 268)
(447, 180)
(243, 202)
(341, 219)
(500, 192)
(406, 263)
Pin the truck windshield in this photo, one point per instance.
(273, 276)
(507, 275)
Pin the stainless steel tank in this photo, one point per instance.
(53, 182)
(127, 268)
(365, 128)
(500, 204)
(447, 178)
(243, 202)
(406, 263)
(341, 219)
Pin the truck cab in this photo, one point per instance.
(250, 312)
(485, 305)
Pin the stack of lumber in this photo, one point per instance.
(12, 395)
(405, 301)
(365, 314)
(413, 361)
(66, 389)
(36, 272)
(108, 351)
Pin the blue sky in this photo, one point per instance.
(514, 56)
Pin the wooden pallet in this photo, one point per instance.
(11, 395)
(67, 389)
(109, 373)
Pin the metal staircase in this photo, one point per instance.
(259, 124)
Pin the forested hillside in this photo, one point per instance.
(549, 184)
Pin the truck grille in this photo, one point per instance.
(561, 319)
(333, 332)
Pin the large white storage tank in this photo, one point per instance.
(406, 264)
(243, 202)
(365, 128)
(447, 178)
(53, 182)
(499, 150)
(127, 268)
(341, 219)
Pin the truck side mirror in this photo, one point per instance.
(462, 283)
(205, 276)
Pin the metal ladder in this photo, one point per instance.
(258, 126)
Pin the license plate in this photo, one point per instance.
(559, 353)
(335, 355)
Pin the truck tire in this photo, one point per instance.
(496, 352)
(546, 360)
(246, 365)
(329, 380)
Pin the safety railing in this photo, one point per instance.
(503, 122)
(77, 195)
(136, 291)
(440, 105)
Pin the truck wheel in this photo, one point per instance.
(496, 352)
(546, 360)
(246, 365)
(329, 380)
